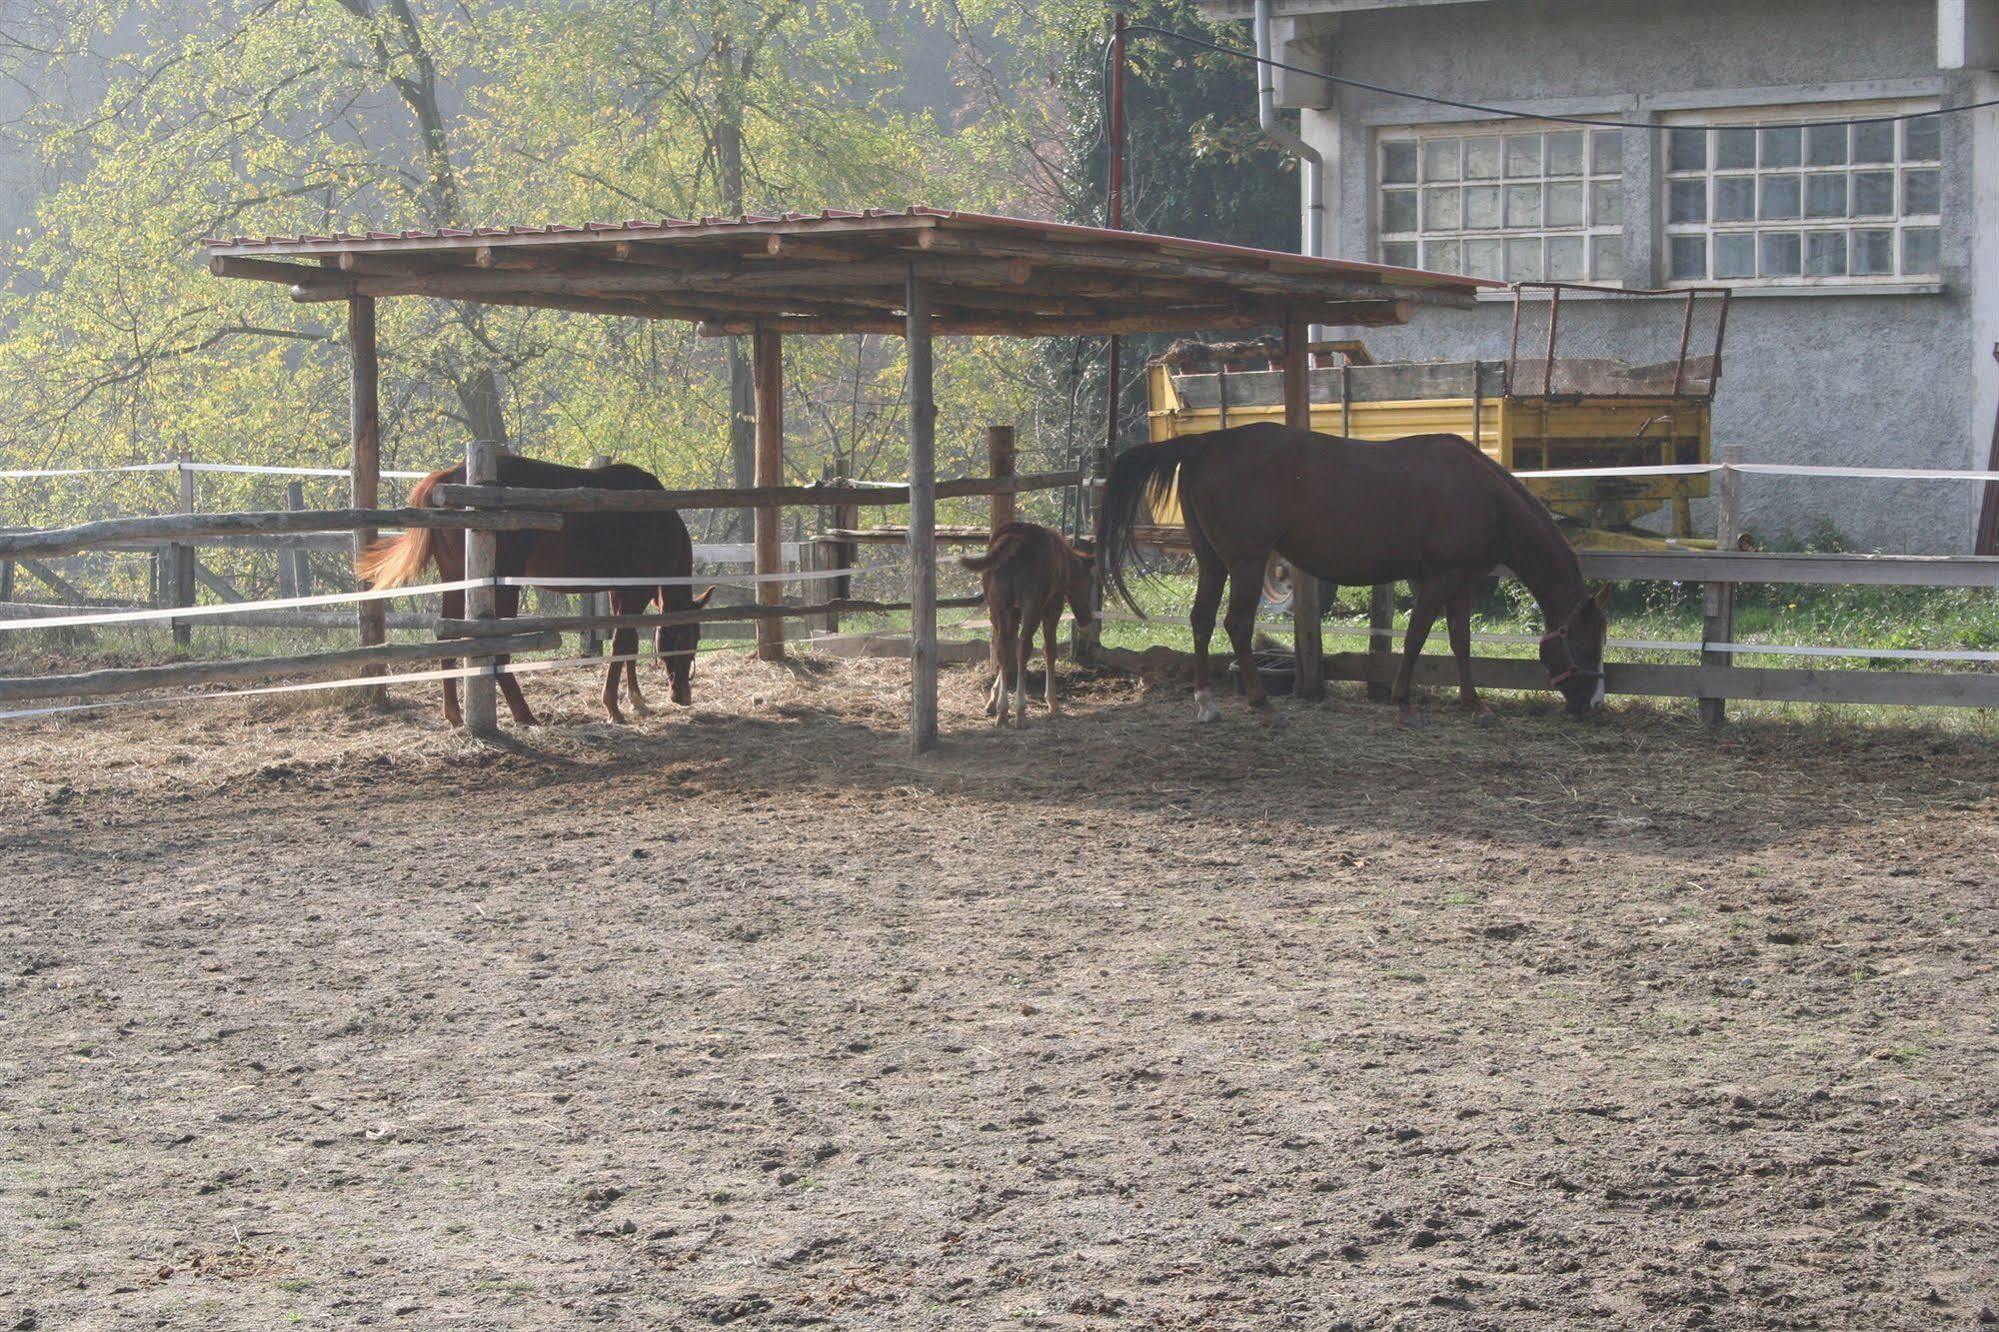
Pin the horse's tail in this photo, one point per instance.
(1144, 472)
(1006, 543)
(400, 561)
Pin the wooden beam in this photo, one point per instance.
(110, 532)
(1361, 314)
(767, 360)
(922, 519)
(725, 280)
(1720, 566)
(1306, 644)
(132, 680)
(266, 270)
(890, 229)
(1894, 688)
(365, 456)
(792, 247)
(1303, 286)
(548, 502)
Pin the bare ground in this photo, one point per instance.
(320, 1017)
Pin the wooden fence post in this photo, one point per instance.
(999, 512)
(183, 554)
(819, 555)
(6, 580)
(595, 603)
(364, 460)
(1718, 608)
(847, 518)
(767, 355)
(922, 519)
(295, 562)
(1307, 647)
(1380, 639)
(1000, 457)
(1083, 643)
(482, 550)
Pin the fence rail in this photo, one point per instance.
(486, 509)
(735, 497)
(176, 528)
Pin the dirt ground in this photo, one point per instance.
(319, 1017)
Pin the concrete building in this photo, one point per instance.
(1865, 258)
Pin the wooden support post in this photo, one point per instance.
(922, 520)
(595, 603)
(1718, 608)
(1380, 641)
(6, 580)
(767, 356)
(482, 552)
(1307, 648)
(183, 555)
(364, 461)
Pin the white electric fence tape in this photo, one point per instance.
(237, 607)
(358, 682)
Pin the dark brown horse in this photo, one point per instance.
(587, 545)
(1027, 573)
(1429, 508)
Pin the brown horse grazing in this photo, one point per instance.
(601, 545)
(1430, 508)
(1027, 573)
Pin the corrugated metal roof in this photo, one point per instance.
(447, 238)
(846, 271)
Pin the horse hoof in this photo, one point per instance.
(1272, 719)
(1204, 708)
(1485, 717)
(1412, 720)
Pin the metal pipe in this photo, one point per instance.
(1274, 130)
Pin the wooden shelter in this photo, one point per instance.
(921, 273)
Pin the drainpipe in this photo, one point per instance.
(1274, 130)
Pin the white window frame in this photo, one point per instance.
(1601, 181)
(1899, 221)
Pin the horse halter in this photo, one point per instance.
(1556, 679)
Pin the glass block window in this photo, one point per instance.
(1512, 201)
(1770, 205)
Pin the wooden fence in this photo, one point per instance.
(478, 637)
(1717, 676)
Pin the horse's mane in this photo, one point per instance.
(1537, 512)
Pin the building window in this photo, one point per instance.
(1506, 201)
(1833, 202)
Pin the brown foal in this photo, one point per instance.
(1027, 573)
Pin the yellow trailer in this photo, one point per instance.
(1552, 411)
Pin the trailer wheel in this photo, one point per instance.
(1277, 590)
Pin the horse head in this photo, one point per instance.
(1573, 653)
(675, 644)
